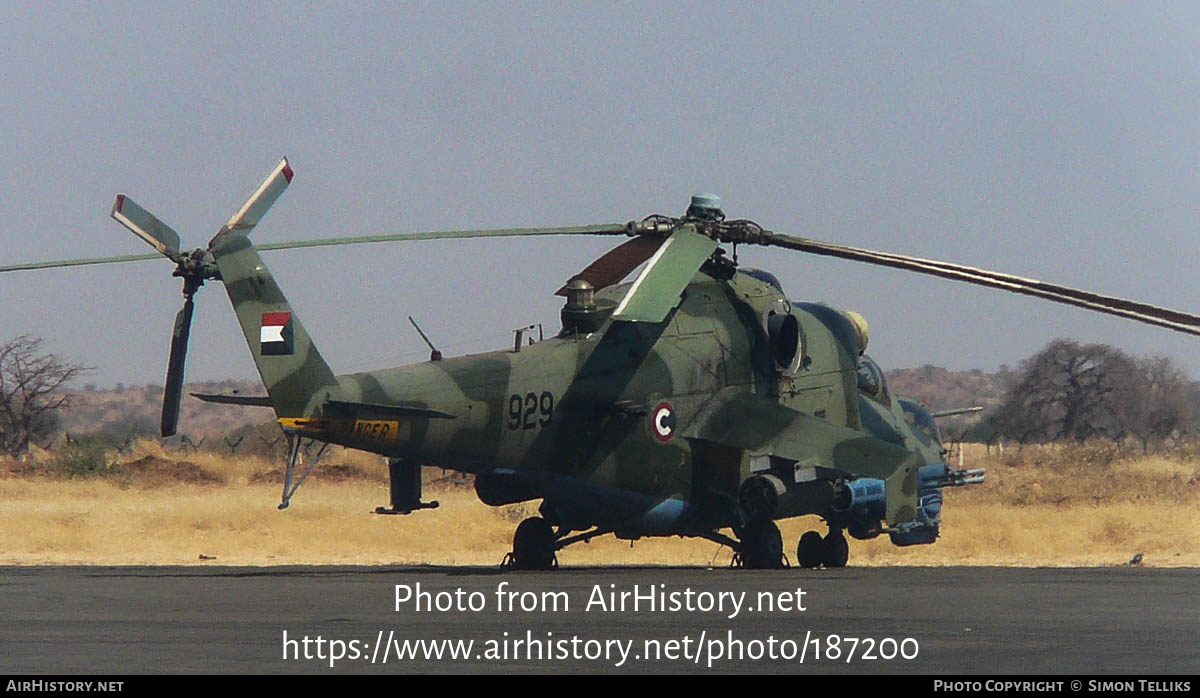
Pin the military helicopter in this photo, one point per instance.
(695, 399)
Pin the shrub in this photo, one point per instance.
(84, 459)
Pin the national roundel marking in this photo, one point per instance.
(662, 421)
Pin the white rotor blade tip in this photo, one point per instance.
(266, 194)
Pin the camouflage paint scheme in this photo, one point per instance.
(682, 403)
(572, 419)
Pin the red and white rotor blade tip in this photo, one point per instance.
(248, 216)
(143, 224)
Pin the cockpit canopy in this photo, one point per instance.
(763, 276)
(921, 418)
(871, 381)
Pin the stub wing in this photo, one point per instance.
(738, 418)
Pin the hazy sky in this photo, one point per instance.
(1055, 140)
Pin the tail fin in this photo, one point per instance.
(290, 365)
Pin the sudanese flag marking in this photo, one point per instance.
(276, 338)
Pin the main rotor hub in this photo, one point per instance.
(194, 268)
(706, 207)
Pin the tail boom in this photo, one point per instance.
(291, 368)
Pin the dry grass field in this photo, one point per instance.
(1055, 506)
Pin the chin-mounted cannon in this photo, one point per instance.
(863, 503)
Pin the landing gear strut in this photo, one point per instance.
(295, 446)
(832, 551)
(404, 485)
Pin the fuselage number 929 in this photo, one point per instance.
(530, 410)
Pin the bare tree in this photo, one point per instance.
(1072, 391)
(33, 387)
(1167, 408)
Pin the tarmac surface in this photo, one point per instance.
(154, 620)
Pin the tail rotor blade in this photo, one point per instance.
(251, 212)
(143, 224)
(173, 392)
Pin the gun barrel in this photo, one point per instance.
(957, 411)
(974, 476)
(947, 477)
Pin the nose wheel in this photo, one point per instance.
(831, 551)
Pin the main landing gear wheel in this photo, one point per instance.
(762, 546)
(835, 551)
(533, 545)
(809, 550)
(813, 551)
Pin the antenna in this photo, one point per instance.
(434, 354)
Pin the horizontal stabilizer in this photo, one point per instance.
(226, 399)
(368, 408)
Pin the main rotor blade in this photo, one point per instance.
(657, 289)
(173, 392)
(610, 229)
(29, 266)
(143, 224)
(242, 223)
(1177, 320)
(1079, 294)
(616, 264)
(606, 229)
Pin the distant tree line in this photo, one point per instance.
(1072, 391)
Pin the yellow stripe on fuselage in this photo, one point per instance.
(380, 430)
